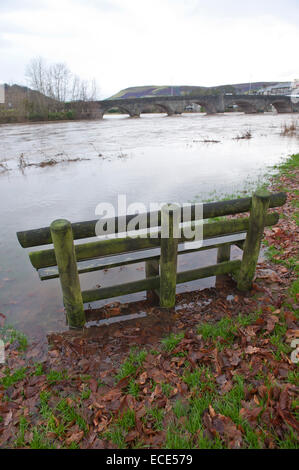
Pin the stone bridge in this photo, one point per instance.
(173, 105)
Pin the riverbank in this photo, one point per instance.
(218, 372)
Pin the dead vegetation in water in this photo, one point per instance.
(122, 156)
(48, 162)
(289, 129)
(3, 168)
(245, 136)
(208, 141)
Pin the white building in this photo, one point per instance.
(279, 89)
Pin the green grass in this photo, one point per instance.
(166, 389)
(38, 369)
(69, 414)
(48, 414)
(85, 394)
(55, 376)
(277, 339)
(133, 388)
(201, 378)
(294, 289)
(23, 426)
(11, 379)
(66, 416)
(228, 405)
(44, 408)
(180, 409)
(85, 377)
(289, 442)
(131, 364)
(223, 332)
(175, 439)
(127, 420)
(156, 416)
(116, 435)
(206, 443)
(272, 253)
(39, 440)
(293, 377)
(118, 431)
(52, 426)
(289, 165)
(170, 342)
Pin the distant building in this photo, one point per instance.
(279, 89)
(295, 86)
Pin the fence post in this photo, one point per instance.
(170, 219)
(223, 254)
(152, 269)
(258, 211)
(62, 237)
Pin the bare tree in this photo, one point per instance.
(36, 72)
(57, 82)
(93, 95)
(75, 88)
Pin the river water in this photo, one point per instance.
(152, 159)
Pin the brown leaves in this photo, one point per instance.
(142, 378)
(101, 421)
(251, 350)
(251, 411)
(271, 322)
(220, 425)
(283, 408)
(7, 418)
(75, 437)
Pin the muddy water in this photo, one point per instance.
(152, 159)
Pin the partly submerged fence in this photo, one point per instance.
(65, 259)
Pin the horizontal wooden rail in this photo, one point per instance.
(42, 236)
(152, 283)
(86, 251)
(133, 258)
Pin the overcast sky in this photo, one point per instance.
(123, 43)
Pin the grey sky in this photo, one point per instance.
(126, 43)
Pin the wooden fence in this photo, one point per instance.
(161, 269)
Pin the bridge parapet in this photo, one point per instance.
(173, 105)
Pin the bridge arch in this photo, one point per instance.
(164, 108)
(281, 106)
(152, 108)
(246, 106)
(209, 107)
(121, 108)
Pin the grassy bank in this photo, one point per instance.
(223, 377)
(13, 116)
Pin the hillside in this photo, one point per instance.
(152, 90)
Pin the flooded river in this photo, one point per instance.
(152, 159)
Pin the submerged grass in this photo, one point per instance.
(8, 334)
